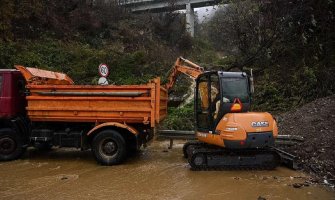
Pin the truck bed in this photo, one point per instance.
(146, 104)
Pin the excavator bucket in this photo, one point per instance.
(36, 76)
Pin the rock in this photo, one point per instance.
(309, 149)
(305, 184)
(261, 198)
(315, 180)
(321, 151)
(297, 185)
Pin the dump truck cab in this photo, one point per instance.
(12, 97)
(14, 127)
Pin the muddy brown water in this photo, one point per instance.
(155, 173)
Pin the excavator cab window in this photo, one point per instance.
(235, 88)
(207, 98)
(234, 85)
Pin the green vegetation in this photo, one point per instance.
(74, 37)
(288, 44)
(181, 118)
(76, 59)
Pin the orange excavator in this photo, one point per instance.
(229, 136)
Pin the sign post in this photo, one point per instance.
(104, 72)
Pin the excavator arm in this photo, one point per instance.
(183, 66)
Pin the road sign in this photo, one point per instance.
(102, 81)
(103, 70)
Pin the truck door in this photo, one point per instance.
(207, 95)
(12, 97)
(0, 85)
(3, 107)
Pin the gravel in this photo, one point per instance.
(315, 122)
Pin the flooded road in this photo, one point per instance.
(156, 173)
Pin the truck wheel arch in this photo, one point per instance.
(112, 124)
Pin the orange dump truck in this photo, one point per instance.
(43, 109)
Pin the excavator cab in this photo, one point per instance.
(219, 93)
(228, 135)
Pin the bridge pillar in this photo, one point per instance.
(190, 19)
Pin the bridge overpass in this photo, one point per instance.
(139, 6)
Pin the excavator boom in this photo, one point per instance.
(186, 67)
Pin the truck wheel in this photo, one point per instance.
(109, 147)
(10, 145)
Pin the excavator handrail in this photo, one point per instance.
(37, 76)
(186, 67)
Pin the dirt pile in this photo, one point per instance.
(315, 122)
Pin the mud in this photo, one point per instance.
(155, 173)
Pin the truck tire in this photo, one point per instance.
(109, 147)
(11, 145)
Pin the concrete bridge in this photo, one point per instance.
(138, 6)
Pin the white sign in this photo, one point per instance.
(103, 70)
(102, 81)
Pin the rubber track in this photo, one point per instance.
(208, 151)
(193, 143)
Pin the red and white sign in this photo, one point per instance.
(103, 70)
